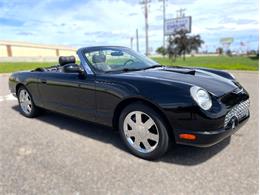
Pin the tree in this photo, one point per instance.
(219, 50)
(229, 53)
(161, 50)
(180, 44)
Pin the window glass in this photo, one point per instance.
(116, 59)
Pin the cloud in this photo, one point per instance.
(113, 22)
(132, 14)
(217, 28)
(24, 33)
(182, 2)
(238, 20)
(10, 22)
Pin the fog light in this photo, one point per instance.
(187, 136)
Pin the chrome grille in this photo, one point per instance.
(240, 111)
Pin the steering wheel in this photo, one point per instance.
(128, 61)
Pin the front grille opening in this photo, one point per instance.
(240, 111)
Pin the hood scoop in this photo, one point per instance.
(180, 70)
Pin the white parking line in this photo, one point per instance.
(8, 97)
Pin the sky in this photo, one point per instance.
(81, 23)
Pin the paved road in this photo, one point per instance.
(55, 154)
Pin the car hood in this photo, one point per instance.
(213, 83)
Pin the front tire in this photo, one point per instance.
(26, 104)
(143, 131)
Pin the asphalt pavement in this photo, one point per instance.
(55, 154)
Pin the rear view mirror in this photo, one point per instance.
(117, 53)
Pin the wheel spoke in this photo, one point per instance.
(148, 124)
(138, 118)
(131, 133)
(152, 136)
(29, 108)
(131, 123)
(137, 142)
(23, 105)
(146, 144)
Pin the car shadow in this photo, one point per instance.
(178, 154)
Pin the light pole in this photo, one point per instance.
(131, 42)
(137, 41)
(164, 12)
(145, 3)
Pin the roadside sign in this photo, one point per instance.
(227, 40)
(175, 24)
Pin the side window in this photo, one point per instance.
(90, 56)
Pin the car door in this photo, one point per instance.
(69, 93)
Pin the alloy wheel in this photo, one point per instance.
(25, 101)
(141, 131)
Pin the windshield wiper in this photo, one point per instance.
(130, 69)
(123, 70)
(134, 69)
(154, 66)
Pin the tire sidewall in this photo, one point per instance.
(163, 144)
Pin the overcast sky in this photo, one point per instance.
(112, 22)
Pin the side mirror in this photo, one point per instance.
(72, 68)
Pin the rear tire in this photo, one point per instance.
(143, 131)
(26, 104)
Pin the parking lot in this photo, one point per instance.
(56, 154)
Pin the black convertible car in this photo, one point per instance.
(151, 105)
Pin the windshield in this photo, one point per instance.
(111, 59)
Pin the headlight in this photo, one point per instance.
(202, 97)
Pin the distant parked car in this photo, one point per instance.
(151, 105)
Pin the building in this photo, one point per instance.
(22, 51)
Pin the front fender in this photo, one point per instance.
(29, 79)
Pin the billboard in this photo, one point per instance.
(175, 24)
(226, 40)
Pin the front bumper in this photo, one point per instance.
(208, 138)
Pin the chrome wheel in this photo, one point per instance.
(25, 101)
(141, 131)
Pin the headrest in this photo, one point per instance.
(98, 58)
(66, 60)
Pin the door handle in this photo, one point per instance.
(44, 81)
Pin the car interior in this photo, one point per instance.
(98, 61)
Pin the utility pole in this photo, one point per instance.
(131, 42)
(164, 12)
(145, 3)
(180, 13)
(163, 23)
(137, 41)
